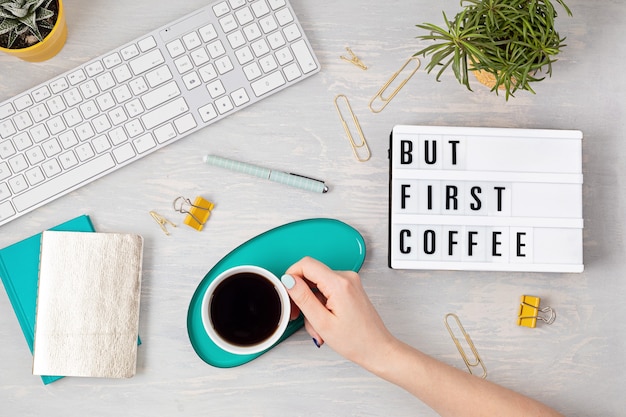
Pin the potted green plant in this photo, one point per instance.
(33, 30)
(512, 43)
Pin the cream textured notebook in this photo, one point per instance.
(88, 304)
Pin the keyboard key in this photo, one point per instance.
(94, 68)
(4, 191)
(292, 72)
(260, 8)
(268, 24)
(129, 52)
(183, 64)
(122, 73)
(208, 33)
(20, 103)
(18, 184)
(68, 160)
(208, 73)
(4, 171)
(39, 133)
(22, 141)
(292, 32)
(276, 4)
(228, 23)
(268, 83)
(35, 155)
(158, 76)
(51, 168)
(221, 9)
(124, 153)
(41, 94)
(59, 85)
(146, 62)
(51, 147)
(175, 48)
(144, 143)
(207, 112)
(68, 139)
(63, 182)
(244, 16)
(192, 80)
(240, 97)
(165, 113)
(236, 3)
(112, 60)
(160, 95)
(303, 56)
(223, 105)
(34, 176)
(252, 32)
(284, 16)
(192, 40)
(6, 129)
(84, 151)
(6, 149)
(146, 44)
(244, 55)
(185, 123)
(164, 133)
(216, 49)
(76, 77)
(18, 163)
(6, 211)
(216, 88)
(101, 144)
(260, 48)
(224, 65)
(22, 121)
(252, 71)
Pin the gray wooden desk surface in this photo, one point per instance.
(576, 365)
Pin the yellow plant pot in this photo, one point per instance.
(487, 78)
(49, 47)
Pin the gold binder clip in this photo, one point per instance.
(197, 213)
(353, 59)
(382, 91)
(162, 221)
(471, 364)
(529, 310)
(361, 150)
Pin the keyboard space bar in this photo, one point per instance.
(63, 182)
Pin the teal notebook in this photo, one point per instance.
(19, 270)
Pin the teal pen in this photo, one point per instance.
(286, 178)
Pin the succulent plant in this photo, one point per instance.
(513, 40)
(20, 16)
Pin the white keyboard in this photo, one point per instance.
(129, 102)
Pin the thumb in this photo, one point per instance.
(315, 312)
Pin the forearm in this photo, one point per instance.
(450, 391)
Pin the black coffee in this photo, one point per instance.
(245, 309)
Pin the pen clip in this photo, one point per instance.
(325, 190)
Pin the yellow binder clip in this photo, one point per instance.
(529, 310)
(197, 213)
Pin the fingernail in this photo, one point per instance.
(316, 342)
(288, 281)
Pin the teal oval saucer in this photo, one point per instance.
(330, 241)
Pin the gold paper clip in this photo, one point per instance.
(162, 221)
(529, 310)
(471, 364)
(381, 92)
(197, 213)
(361, 150)
(354, 59)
